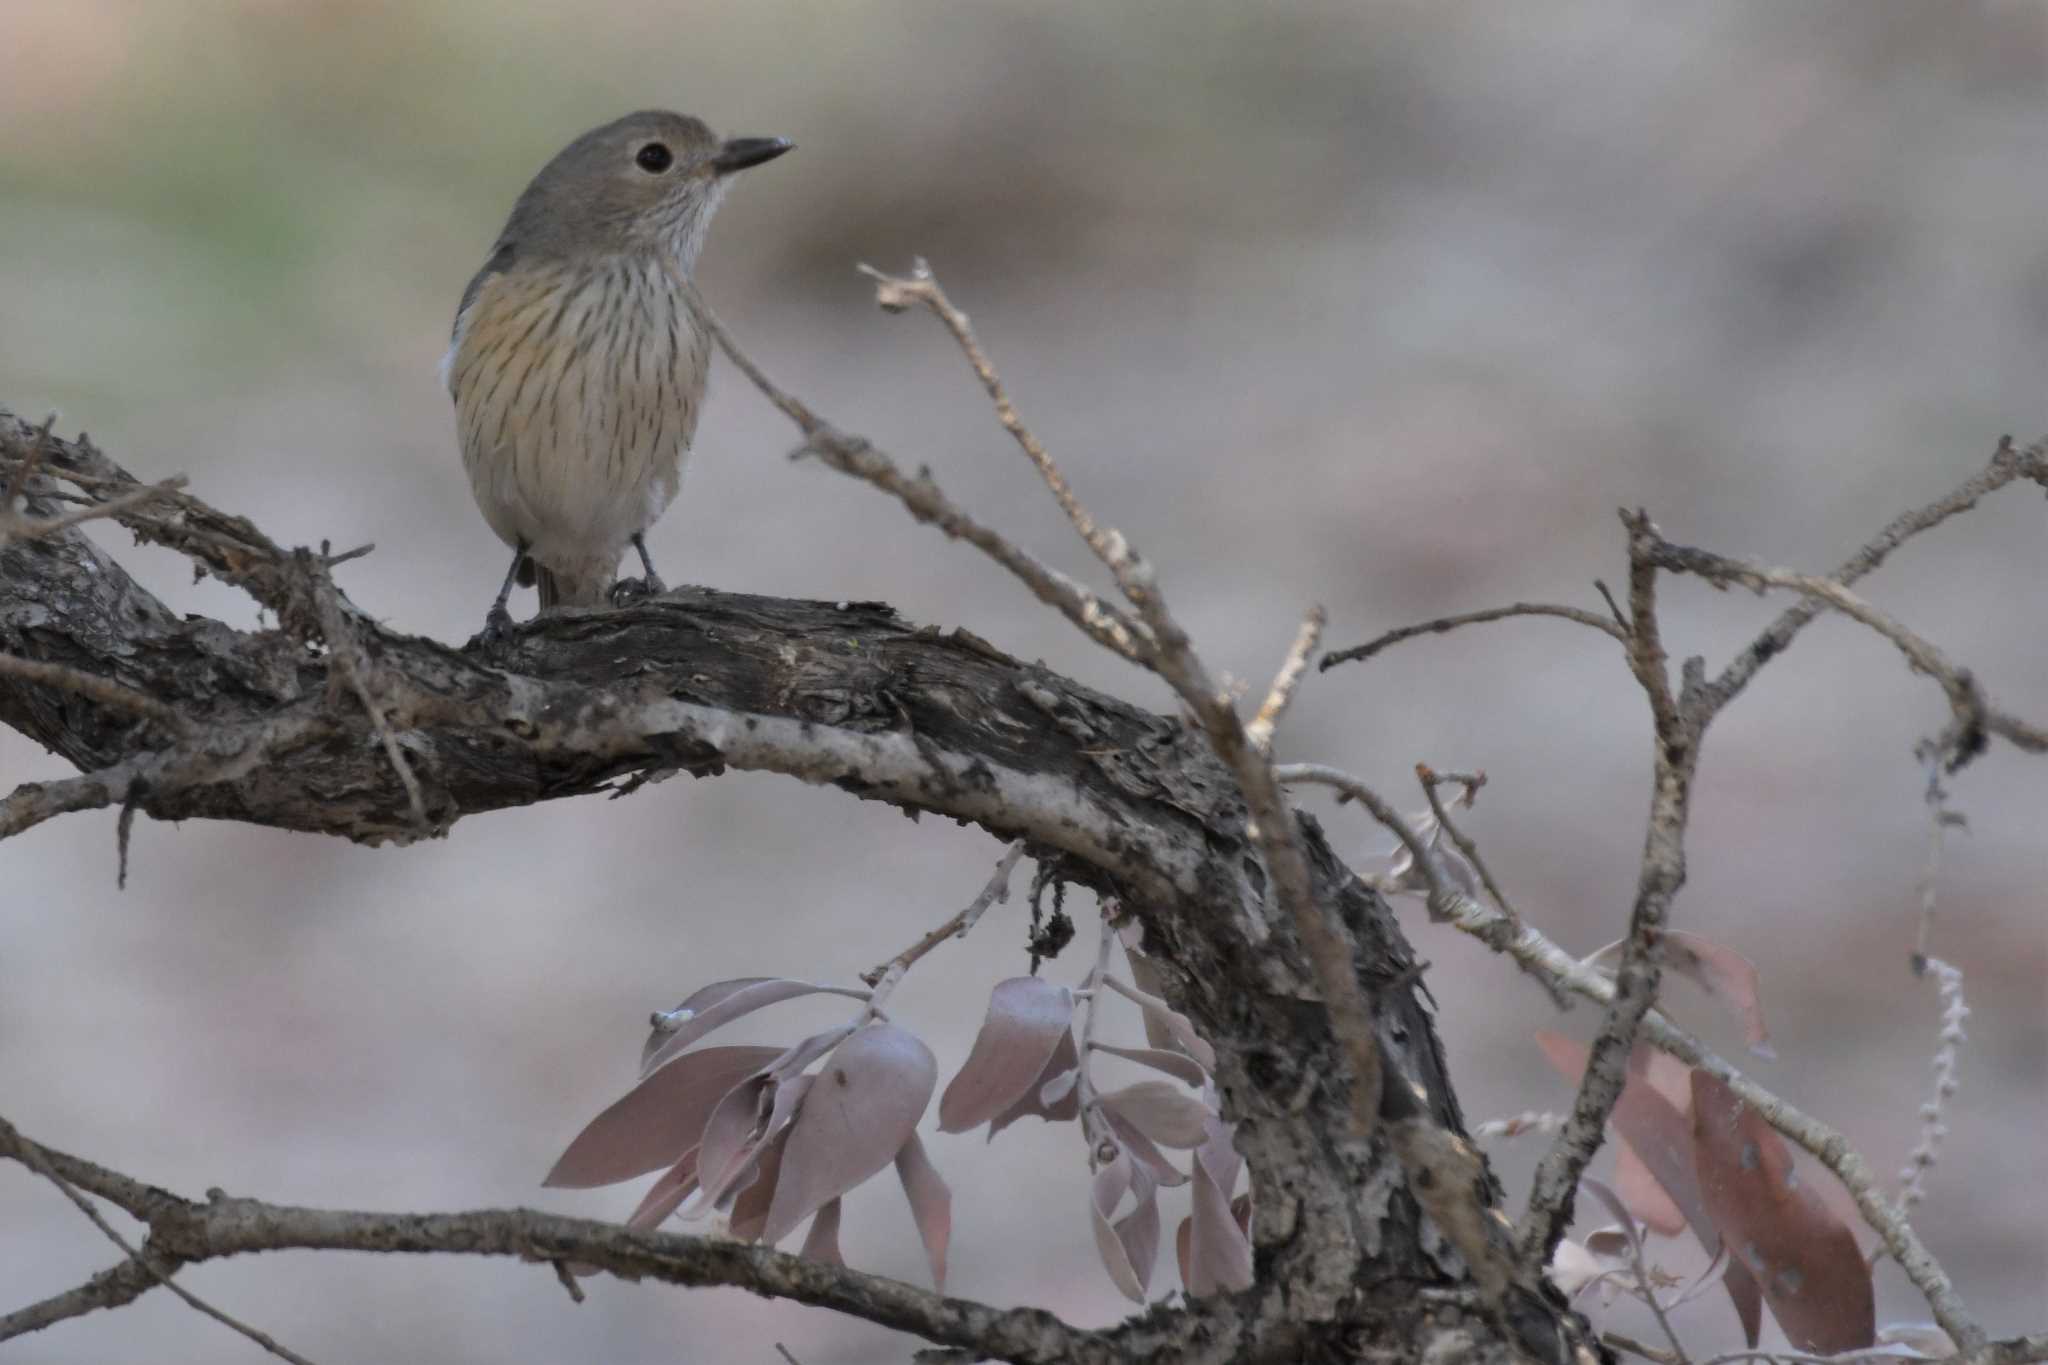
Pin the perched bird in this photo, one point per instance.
(576, 365)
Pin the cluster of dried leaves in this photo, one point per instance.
(759, 1139)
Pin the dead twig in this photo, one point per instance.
(31, 1155)
(1260, 731)
(996, 892)
(1443, 624)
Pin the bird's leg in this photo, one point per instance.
(632, 589)
(498, 621)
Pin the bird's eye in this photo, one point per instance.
(654, 158)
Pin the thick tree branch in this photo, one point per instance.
(186, 1232)
(1136, 805)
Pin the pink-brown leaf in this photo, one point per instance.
(1161, 1111)
(655, 1122)
(721, 1003)
(1218, 1258)
(1721, 972)
(1117, 1238)
(751, 1202)
(1027, 1016)
(1659, 1132)
(931, 1205)
(1065, 1059)
(1804, 1258)
(821, 1243)
(1144, 1151)
(863, 1107)
(667, 1194)
(1641, 1194)
(1178, 1065)
(732, 1137)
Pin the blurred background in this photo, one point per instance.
(1386, 306)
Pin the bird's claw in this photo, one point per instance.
(496, 636)
(627, 591)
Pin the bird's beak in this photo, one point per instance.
(741, 152)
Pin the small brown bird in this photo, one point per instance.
(576, 365)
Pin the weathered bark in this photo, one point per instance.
(1129, 803)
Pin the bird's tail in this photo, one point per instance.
(584, 586)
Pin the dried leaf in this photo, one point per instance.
(1641, 1193)
(1659, 1131)
(1803, 1257)
(1178, 1065)
(1720, 971)
(862, 1109)
(1218, 1254)
(732, 1137)
(821, 1243)
(667, 1194)
(1165, 1026)
(1161, 1111)
(655, 1122)
(1059, 1087)
(1027, 1016)
(721, 1003)
(1129, 1246)
(931, 1204)
(751, 1195)
(1402, 875)
(1144, 1151)
(1066, 1058)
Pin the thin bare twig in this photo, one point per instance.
(1101, 621)
(2007, 465)
(895, 294)
(1260, 731)
(884, 976)
(191, 1232)
(31, 1155)
(1443, 624)
(1554, 1188)
(1974, 716)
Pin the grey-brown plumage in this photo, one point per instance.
(576, 367)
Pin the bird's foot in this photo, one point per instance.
(496, 636)
(627, 591)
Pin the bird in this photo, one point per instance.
(576, 362)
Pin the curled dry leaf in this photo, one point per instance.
(1165, 1026)
(659, 1119)
(821, 1243)
(1178, 1065)
(931, 1205)
(1803, 1257)
(1063, 1065)
(1162, 1111)
(732, 1136)
(667, 1194)
(1027, 1017)
(859, 1113)
(1720, 971)
(721, 1003)
(1144, 1151)
(1129, 1246)
(1404, 877)
(1214, 1240)
(749, 1196)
